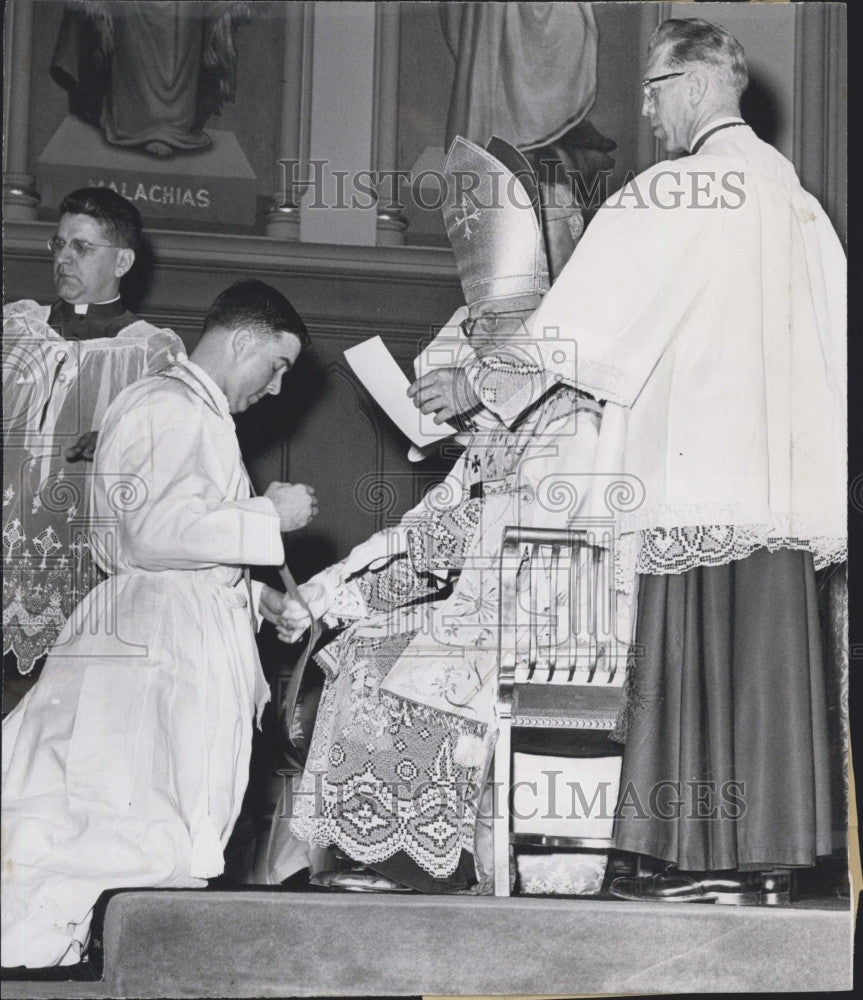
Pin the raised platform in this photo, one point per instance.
(270, 943)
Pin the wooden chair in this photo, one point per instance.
(561, 666)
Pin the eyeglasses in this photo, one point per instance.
(647, 85)
(79, 248)
(487, 321)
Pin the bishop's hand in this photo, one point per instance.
(295, 503)
(445, 392)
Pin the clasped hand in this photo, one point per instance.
(294, 618)
(290, 617)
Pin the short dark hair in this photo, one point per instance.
(118, 217)
(258, 305)
(693, 40)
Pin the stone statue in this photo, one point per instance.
(149, 74)
(527, 72)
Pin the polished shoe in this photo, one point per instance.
(776, 887)
(357, 879)
(675, 887)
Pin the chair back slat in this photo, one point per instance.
(557, 609)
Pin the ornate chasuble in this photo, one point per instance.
(54, 390)
(404, 730)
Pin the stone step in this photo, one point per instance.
(272, 943)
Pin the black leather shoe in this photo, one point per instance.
(357, 879)
(675, 887)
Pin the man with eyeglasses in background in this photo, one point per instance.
(63, 365)
(93, 248)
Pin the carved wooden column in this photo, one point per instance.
(283, 219)
(390, 220)
(19, 194)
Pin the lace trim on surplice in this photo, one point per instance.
(680, 549)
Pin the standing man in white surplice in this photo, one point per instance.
(62, 365)
(707, 300)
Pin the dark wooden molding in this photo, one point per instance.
(401, 337)
(25, 242)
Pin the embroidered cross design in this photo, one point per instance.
(45, 543)
(79, 546)
(469, 214)
(13, 535)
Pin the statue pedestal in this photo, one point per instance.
(215, 185)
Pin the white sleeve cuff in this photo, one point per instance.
(376, 551)
(262, 537)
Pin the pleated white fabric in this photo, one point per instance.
(127, 762)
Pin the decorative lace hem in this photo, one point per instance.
(680, 549)
(394, 801)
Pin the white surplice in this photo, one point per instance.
(706, 303)
(127, 763)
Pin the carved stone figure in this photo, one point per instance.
(150, 74)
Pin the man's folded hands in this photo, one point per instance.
(295, 618)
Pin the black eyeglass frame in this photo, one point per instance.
(665, 76)
(468, 325)
(648, 83)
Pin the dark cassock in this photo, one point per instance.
(89, 321)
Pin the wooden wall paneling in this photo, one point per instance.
(339, 441)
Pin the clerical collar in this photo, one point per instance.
(703, 134)
(95, 310)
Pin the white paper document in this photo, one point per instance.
(378, 371)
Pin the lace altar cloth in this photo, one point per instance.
(387, 776)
